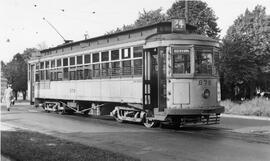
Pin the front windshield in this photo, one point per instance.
(204, 61)
(181, 61)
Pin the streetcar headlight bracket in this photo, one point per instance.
(206, 93)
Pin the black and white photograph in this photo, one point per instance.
(135, 80)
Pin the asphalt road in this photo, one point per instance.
(234, 139)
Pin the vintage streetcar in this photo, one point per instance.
(163, 72)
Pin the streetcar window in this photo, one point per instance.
(37, 66)
(79, 73)
(126, 53)
(41, 65)
(137, 66)
(115, 54)
(72, 61)
(59, 76)
(87, 58)
(105, 69)
(65, 62)
(181, 61)
(37, 77)
(87, 72)
(52, 76)
(115, 68)
(216, 62)
(203, 61)
(59, 62)
(95, 57)
(47, 64)
(65, 71)
(79, 59)
(126, 67)
(47, 73)
(55, 76)
(42, 75)
(105, 56)
(96, 70)
(137, 51)
(52, 63)
(72, 75)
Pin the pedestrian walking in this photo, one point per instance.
(8, 97)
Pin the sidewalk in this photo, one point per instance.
(22, 102)
(245, 117)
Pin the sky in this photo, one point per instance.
(22, 25)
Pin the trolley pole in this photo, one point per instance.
(65, 41)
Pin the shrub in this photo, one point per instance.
(256, 107)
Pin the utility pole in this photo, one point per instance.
(65, 41)
(186, 10)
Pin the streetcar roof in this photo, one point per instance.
(177, 36)
(190, 28)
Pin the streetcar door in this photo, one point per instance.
(162, 86)
(32, 84)
(154, 79)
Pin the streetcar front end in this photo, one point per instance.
(193, 87)
(184, 70)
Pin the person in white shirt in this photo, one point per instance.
(8, 97)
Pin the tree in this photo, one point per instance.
(145, 18)
(150, 17)
(16, 71)
(3, 66)
(42, 45)
(199, 14)
(238, 70)
(27, 53)
(246, 50)
(249, 28)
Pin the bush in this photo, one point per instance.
(256, 107)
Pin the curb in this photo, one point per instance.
(246, 117)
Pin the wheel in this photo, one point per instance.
(150, 123)
(118, 119)
(61, 112)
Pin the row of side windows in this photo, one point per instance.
(104, 64)
(96, 57)
(100, 70)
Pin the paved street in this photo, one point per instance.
(234, 139)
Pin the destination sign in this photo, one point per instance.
(178, 25)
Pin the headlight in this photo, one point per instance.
(218, 92)
(206, 93)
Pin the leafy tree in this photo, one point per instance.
(16, 71)
(27, 53)
(238, 69)
(42, 45)
(199, 14)
(150, 17)
(249, 28)
(246, 51)
(3, 66)
(145, 18)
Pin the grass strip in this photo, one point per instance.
(255, 107)
(33, 146)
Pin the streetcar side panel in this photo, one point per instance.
(126, 90)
